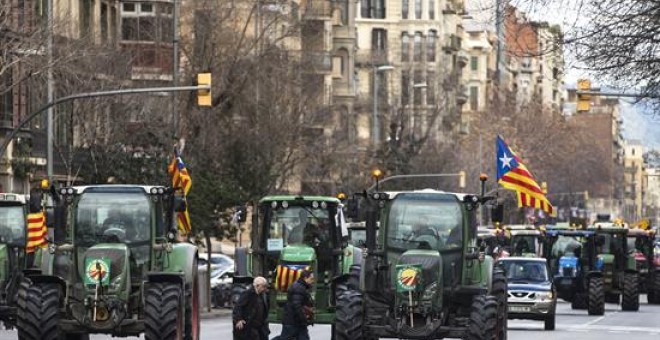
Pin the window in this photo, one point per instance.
(364, 9)
(431, 10)
(379, 6)
(405, 90)
(378, 39)
(128, 7)
(418, 9)
(474, 98)
(417, 90)
(104, 22)
(417, 47)
(474, 63)
(405, 47)
(430, 88)
(143, 25)
(374, 9)
(431, 41)
(404, 9)
(6, 99)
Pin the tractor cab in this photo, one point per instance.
(641, 248)
(293, 233)
(525, 240)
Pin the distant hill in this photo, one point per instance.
(641, 123)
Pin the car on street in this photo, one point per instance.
(218, 261)
(221, 286)
(531, 293)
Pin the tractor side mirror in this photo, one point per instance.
(59, 224)
(497, 213)
(179, 204)
(352, 208)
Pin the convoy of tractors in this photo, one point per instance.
(409, 263)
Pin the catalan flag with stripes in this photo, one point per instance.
(287, 274)
(37, 232)
(181, 181)
(512, 174)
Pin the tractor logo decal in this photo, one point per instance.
(408, 278)
(97, 269)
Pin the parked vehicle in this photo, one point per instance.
(221, 287)
(531, 293)
(218, 261)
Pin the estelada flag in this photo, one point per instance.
(512, 174)
(287, 274)
(37, 231)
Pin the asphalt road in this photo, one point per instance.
(574, 325)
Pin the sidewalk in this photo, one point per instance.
(215, 313)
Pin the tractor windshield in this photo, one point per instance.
(109, 217)
(12, 225)
(299, 225)
(425, 221)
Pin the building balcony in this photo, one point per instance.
(371, 58)
(317, 9)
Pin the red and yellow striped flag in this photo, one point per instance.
(37, 231)
(287, 274)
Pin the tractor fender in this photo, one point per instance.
(241, 261)
(594, 274)
(352, 257)
(486, 268)
(181, 260)
(48, 279)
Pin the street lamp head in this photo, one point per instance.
(384, 68)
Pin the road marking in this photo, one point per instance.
(600, 318)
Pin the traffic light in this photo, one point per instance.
(204, 97)
(461, 179)
(583, 100)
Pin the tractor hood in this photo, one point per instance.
(298, 253)
(106, 263)
(606, 258)
(430, 263)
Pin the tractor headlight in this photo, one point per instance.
(429, 291)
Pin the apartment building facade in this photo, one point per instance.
(633, 180)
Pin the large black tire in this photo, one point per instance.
(579, 301)
(163, 312)
(500, 292)
(550, 322)
(39, 312)
(192, 327)
(353, 281)
(596, 300)
(483, 318)
(630, 296)
(349, 316)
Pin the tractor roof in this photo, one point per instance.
(636, 232)
(12, 199)
(609, 227)
(289, 198)
(393, 194)
(115, 188)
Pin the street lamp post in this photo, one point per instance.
(375, 122)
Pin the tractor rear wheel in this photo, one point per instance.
(500, 291)
(630, 296)
(40, 312)
(192, 307)
(483, 318)
(349, 316)
(596, 300)
(163, 312)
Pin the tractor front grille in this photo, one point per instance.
(568, 272)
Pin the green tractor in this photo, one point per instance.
(15, 262)
(290, 233)
(114, 267)
(620, 275)
(525, 240)
(423, 276)
(575, 268)
(641, 244)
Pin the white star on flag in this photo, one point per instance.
(506, 161)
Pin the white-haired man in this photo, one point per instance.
(251, 311)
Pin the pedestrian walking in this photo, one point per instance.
(251, 311)
(299, 309)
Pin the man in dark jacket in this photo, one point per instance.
(251, 311)
(298, 311)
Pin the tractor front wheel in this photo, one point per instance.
(500, 291)
(39, 312)
(483, 318)
(163, 312)
(349, 317)
(630, 296)
(596, 300)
